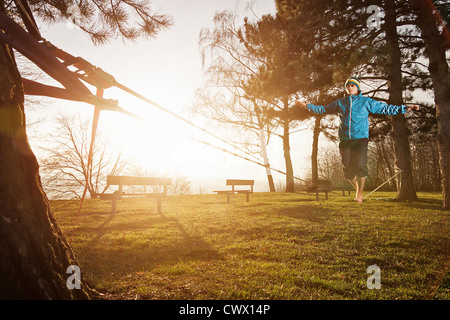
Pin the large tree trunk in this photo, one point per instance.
(436, 48)
(315, 151)
(287, 159)
(34, 255)
(290, 187)
(406, 189)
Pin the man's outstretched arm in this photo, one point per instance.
(317, 109)
(379, 107)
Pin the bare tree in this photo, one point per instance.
(329, 165)
(226, 97)
(180, 185)
(64, 166)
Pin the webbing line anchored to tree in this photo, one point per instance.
(112, 82)
(89, 163)
(137, 95)
(399, 172)
(46, 56)
(227, 151)
(92, 75)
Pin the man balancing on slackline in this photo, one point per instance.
(354, 111)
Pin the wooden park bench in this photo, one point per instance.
(321, 186)
(237, 182)
(122, 181)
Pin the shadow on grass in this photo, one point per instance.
(149, 241)
(302, 197)
(307, 213)
(421, 203)
(425, 204)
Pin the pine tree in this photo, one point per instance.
(320, 62)
(341, 33)
(225, 98)
(273, 80)
(406, 190)
(35, 255)
(437, 41)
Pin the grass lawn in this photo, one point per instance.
(277, 246)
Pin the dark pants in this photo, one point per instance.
(354, 157)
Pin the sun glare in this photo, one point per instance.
(163, 145)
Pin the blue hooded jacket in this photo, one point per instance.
(354, 113)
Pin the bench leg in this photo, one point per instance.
(228, 198)
(343, 192)
(113, 206)
(317, 196)
(158, 204)
(247, 195)
(326, 195)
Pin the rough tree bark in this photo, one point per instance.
(34, 254)
(436, 45)
(406, 189)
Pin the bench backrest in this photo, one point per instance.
(326, 183)
(239, 182)
(137, 181)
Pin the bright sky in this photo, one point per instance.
(168, 70)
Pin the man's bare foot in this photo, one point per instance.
(359, 199)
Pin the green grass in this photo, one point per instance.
(277, 246)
